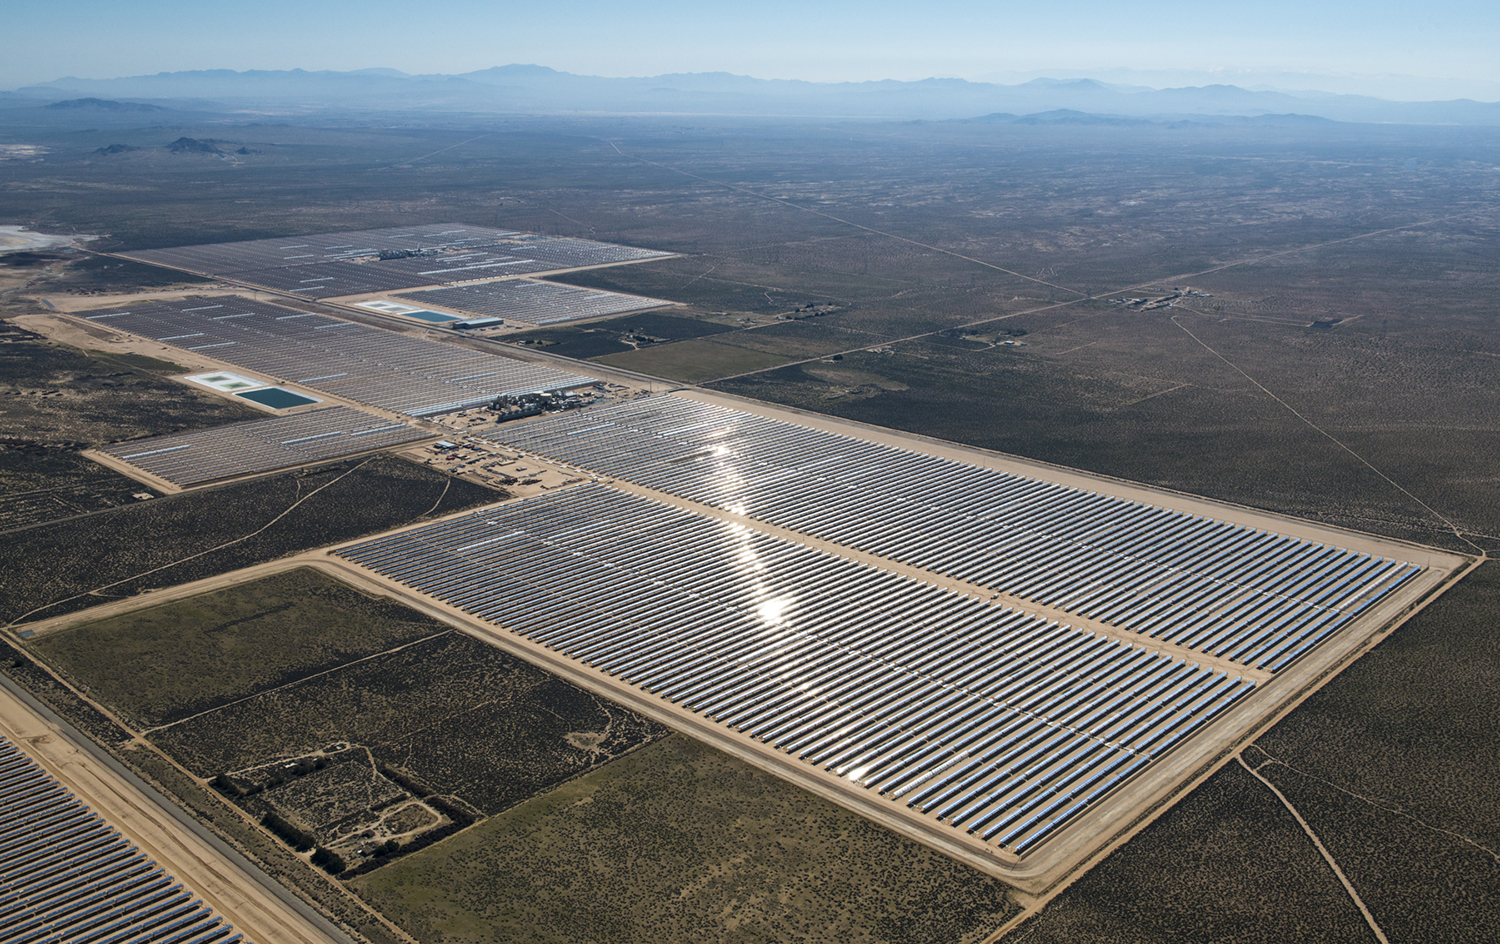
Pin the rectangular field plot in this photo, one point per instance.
(281, 442)
(368, 365)
(325, 265)
(534, 303)
(980, 717)
(66, 875)
(1253, 597)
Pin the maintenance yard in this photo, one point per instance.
(328, 265)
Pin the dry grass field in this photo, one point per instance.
(681, 843)
(70, 565)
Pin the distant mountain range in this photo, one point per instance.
(524, 89)
(99, 104)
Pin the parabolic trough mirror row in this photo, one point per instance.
(67, 876)
(1249, 596)
(280, 442)
(979, 716)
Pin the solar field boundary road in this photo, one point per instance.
(534, 303)
(326, 265)
(380, 368)
(188, 459)
(66, 875)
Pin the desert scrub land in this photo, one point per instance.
(298, 665)
(452, 715)
(66, 566)
(678, 842)
(1226, 864)
(164, 663)
(347, 717)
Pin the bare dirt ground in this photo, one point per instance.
(238, 897)
(20, 239)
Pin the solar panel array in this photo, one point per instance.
(368, 365)
(986, 718)
(66, 876)
(325, 265)
(536, 303)
(1250, 596)
(280, 442)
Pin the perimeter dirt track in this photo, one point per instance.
(236, 896)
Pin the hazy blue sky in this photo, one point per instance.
(830, 40)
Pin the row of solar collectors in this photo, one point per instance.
(369, 365)
(538, 303)
(262, 445)
(990, 719)
(324, 266)
(332, 279)
(329, 280)
(567, 252)
(292, 251)
(67, 876)
(1255, 597)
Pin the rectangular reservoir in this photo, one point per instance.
(278, 398)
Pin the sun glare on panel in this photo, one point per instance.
(773, 612)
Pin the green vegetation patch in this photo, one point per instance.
(620, 335)
(164, 663)
(693, 361)
(678, 842)
(574, 342)
(666, 327)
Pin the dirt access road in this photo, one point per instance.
(251, 901)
